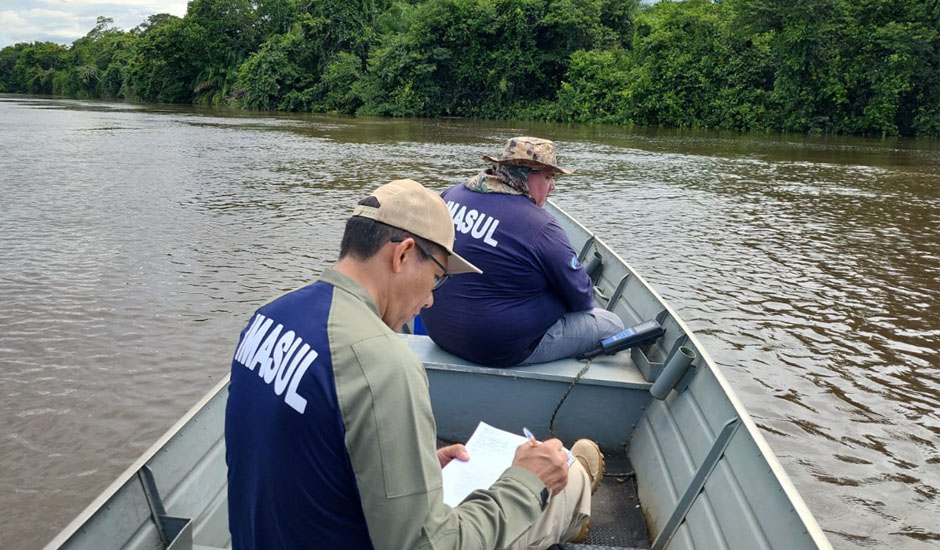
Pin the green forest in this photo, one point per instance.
(869, 67)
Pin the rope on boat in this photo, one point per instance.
(551, 424)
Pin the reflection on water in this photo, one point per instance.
(136, 241)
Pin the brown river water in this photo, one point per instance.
(135, 241)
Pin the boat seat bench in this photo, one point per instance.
(605, 405)
(616, 371)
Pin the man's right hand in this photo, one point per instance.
(547, 460)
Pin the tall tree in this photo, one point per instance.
(229, 35)
(96, 64)
(167, 60)
(313, 65)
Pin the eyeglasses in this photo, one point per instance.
(439, 280)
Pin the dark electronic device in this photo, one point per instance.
(627, 338)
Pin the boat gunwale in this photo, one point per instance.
(131, 471)
(800, 507)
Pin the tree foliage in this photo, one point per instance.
(168, 58)
(821, 66)
(316, 64)
(33, 67)
(96, 64)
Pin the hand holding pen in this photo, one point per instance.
(547, 460)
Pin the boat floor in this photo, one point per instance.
(616, 517)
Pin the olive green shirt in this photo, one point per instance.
(391, 438)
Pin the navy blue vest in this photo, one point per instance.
(290, 481)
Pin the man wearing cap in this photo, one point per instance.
(534, 302)
(330, 437)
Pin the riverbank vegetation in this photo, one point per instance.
(820, 66)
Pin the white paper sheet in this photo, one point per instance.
(491, 452)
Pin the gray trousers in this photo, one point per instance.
(574, 334)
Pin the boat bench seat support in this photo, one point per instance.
(618, 292)
(697, 484)
(595, 265)
(175, 533)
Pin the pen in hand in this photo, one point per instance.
(534, 442)
(529, 436)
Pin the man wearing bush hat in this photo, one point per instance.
(534, 302)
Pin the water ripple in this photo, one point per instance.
(135, 242)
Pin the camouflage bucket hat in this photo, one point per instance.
(530, 152)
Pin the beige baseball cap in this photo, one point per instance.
(408, 205)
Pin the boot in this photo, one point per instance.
(589, 455)
(582, 534)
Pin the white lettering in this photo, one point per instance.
(284, 374)
(287, 340)
(458, 219)
(489, 236)
(478, 231)
(263, 355)
(249, 346)
(474, 222)
(278, 358)
(468, 221)
(297, 402)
